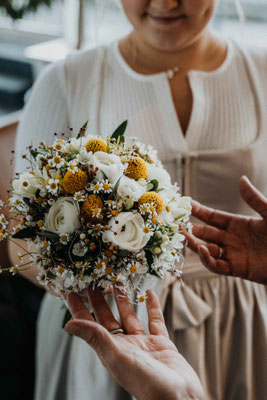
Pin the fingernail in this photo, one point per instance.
(73, 329)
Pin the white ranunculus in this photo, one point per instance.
(129, 233)
(63, 216)
(110, 164)
(27, 184)
(130, 187)
(158, 173)
(75, 145)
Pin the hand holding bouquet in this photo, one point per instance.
(97, 212)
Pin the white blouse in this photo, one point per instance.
(100, 86)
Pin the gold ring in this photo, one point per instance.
(114, 331)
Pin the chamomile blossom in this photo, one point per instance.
(64, 238)
(80, 196)
(53, 186)
(73, 166)
(135, 268)
(2, 204)
(3, 221)
(106, 186)
(42, 278)
(56, 162)
(97, 188)
(14, 270)
(59, 145)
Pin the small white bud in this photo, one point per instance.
(157, 250)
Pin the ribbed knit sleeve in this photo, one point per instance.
(45, 113)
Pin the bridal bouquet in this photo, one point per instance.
(97, 212)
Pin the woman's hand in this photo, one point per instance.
(243, 240)
(146, 365)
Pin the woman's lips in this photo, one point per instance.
(165, 20)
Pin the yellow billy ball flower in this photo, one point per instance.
(96, 144)
(92, 202)
(137, 168)
(152, 197)
(74, 182)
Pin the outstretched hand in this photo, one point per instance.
(242, 240)
(146, 365)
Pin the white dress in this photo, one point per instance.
(218, 323)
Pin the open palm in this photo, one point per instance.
(147, 365)
(242, 239)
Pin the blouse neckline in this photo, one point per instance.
(163, 75)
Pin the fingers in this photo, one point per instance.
(253, 197)
(101, 310)
(221, 267)
(94, 334)
(129, 320)
(156, 321)
(210, 216)
(77, 307)
(193, 243)
(209, 234)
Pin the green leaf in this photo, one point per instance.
(118, 134)
(155, 184)
(114, 191)
(34, 153)
(149, 257)
(67, 318)
(150, 260)
(82, 130)
(24, 233)
(123, 253)
(48, 235)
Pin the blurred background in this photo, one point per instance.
(34, 33)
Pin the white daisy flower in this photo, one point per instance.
(148, 229)
(61, 271)
(14, 270)
(80, 196)
(42, 278)
(141, 297)
(134, 268)
(106, 186)
(144, 208)
(53, 186)
(59, 145)
(73, 166)
(57, 161)
(3, 221)
(64, 238)
(98, 187)
(96, 212)
(2, 204)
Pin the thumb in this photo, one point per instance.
(253, 197)
(94, 334)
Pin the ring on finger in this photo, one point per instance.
(115, 331)
(220, 255)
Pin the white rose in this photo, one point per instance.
(27, 184)
(130, 187)
(182, 207)
(75, 145)
(158, 173)
(110, 164)
(129, 232)
(63, 216)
